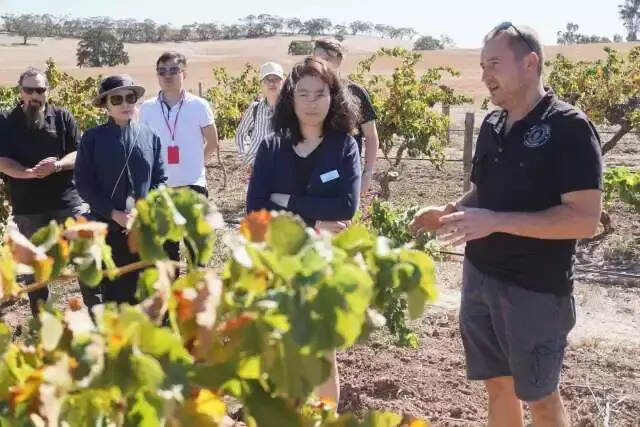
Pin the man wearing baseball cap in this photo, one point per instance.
(255, 124)
(333, 52)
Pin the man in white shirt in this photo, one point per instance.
(184, 122)
(186, 126)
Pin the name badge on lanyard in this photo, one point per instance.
(173, 157)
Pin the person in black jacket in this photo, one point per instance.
(37, 154)
(118, 162)
(310, 166)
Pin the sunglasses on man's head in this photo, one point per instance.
(507, 25)
(31, 90)
(168, 71)
(131, 98)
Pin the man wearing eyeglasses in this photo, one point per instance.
(537, 181)
(186, 126)
(38, 145)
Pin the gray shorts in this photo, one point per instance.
(508, 331)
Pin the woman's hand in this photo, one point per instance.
(280, 199)
(332, 226)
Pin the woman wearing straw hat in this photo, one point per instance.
(117, 163)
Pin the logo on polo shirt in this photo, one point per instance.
(537, 136)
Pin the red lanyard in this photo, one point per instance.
(173, 131)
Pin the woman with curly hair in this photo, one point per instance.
(310, 165)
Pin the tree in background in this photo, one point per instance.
(407, 123)
(294, 25)
(317, 26)
(26, 26)
(447, 42)
(428, 43)
(630, 15)
(360, 27)
(100, 47)
(572, 36)
(608, 91)
(231, 96)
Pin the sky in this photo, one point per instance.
(466, 21)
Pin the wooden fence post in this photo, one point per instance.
(468, 149)
(446, 110)
(200, 89)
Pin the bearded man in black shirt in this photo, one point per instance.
(37, 155)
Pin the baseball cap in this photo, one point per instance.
(271, 68)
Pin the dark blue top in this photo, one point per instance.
(333, 190)
(101, 158)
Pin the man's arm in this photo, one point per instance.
(576, 217)
(210, 134)
(370, 133)
(468, 199)
(15, 170)
(68, 162)
(243, 129)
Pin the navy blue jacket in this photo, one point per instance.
(101, 157)
(333, 200)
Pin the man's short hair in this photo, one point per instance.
(522, 40)
(330, 45)
(172, 56)
(33, 72)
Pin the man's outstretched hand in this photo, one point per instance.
(428, 219)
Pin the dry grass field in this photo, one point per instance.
(233, 54)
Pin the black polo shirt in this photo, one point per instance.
(554, 150)
(58, 137)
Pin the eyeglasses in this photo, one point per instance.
(272, 80)
(168, 71)
(131, 98)
(507, 25)
(31, 90)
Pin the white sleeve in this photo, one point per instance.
(207, 117)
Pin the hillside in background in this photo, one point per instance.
(233, 54)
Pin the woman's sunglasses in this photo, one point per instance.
(31, 90)
(131, 98)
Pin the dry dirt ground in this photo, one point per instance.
(233, 54)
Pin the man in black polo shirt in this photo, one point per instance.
(536, 176)
(333, 52)
(37, 154)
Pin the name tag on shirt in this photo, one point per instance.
(329, 176)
